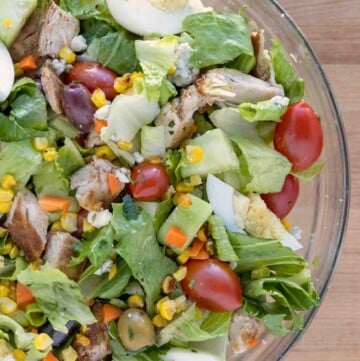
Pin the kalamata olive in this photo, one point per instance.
(135, 329)
(78, 107)
(60, 338)
(93, 75)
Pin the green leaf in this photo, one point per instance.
(202, 124)
(285, 73)
(264, 167)
(70, 158)
(59, 298)
(162, 213)
(209, 30)
(223, 246)
(275, 324)
(12, 268)
(22, 339)
(308, 174)
(138, 246)
(63, 127)
(35, 315)
(173, 163)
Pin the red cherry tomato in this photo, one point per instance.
(299, 136)
(149, 181)
(281, 203)
(213, 285)
(93, 75)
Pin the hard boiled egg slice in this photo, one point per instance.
(147, 17)
(7, 73)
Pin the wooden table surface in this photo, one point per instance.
(333, 29)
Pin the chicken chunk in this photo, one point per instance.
(53, 87)
(262, 69)
(59, 253)
(57, 29)
(28, 224)
(99, 346)
(91, 184)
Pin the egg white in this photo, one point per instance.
(7, 74)
(142, 18)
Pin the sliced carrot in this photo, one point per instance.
(24, 297)
(111, 313)
(51, 204)
(196, 247)
(114, 184)
(50, 357)
(27, 63)
(253, 342)
(175, 237)
(203, 254)
(99, 124)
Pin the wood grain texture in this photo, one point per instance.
(333, 29)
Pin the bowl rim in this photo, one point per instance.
(344, 215)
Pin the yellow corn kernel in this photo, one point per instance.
(88, 227)
(124, 145)
(122, 84)
(83, 328)
(40, 144)
(69, 354)
(159, 321)
(56, 227)
(82, 340)
(50, 154)
(184, 256)
(36, 264)
(19, 355)
(136, 301)
(14, 252)
(7, 23)
(184, 187)
(68, 222)
(4, 291)
(98, 98)
(169, 284)
(286, 224)
(67, 54)
(7, 306)
(180, 273)
(202, 235)
(2, 262)
(105, 152)
(6, 249)
(159, 303)
(180, 303)
(155, 159)
(8, 181)
(167, 309)
(42, 341)
(195, 180)
(199, 313)
(6, 195)
(113, 271)
(171, 71)
(184, 200)
(135, 75)
(194, 153)
(3, 232)
(5, 207)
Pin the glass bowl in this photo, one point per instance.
(322, 208)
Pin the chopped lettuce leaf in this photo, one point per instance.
(62, 126)
(202, 124)
(167, 91)
(210, 30)
(23, 340)
(308, 174)
(264, 167)
(186, 328)
(35, 315)
(285, 73)
(19, 159)
(12, 268)
(153, 141)
(173, 163)
(59, 298)
(70, 158)
(223, 246)
(272, 109)
(138, 246)
(162, 213)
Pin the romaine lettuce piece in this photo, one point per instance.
(19, 159)
(70, 158)
(218, 39)
(264, 167)
(59, 298)
(138, 246)
(285, 73)
(22, 339)
(308, 174)
(167, 91)
(153, 141)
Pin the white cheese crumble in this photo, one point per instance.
(105, 268)
(103, 112)
(280, 101)
(138, 157)
(78, 44)
(123, 175)
(99, 219)
(60, 66)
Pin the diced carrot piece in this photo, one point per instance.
(175, 237)
(50, 357)
(203, 254)
(114, 184)
(27, 63)
(51, 204)
(24, 297)
(196, 247)
(111, 313)
(99, 124)
(253, 343)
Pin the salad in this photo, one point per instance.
(150, 151)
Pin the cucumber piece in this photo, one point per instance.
(13, 16)
(189, 220)
(219, 155)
